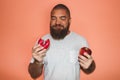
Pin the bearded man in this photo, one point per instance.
(61, 61)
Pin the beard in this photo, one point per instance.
(59, 33)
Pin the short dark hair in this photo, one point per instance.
(61, 6)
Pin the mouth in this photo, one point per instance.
(58, 27)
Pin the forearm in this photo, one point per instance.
(90, 69)
(35, 69)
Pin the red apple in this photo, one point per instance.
(44, 43)
(85, 49)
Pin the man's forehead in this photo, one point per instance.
(59, 12)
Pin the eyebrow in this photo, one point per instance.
(60, 16)
(52, 16)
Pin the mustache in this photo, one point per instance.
(58, 25)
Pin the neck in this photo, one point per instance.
(68, 32)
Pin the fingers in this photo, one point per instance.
(39, 57)
(82, 57)
(82, 61)
(38, 52)
(83, 65)
(85, 60)
(87, 55)
(37, 48)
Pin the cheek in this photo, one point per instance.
(52, 23)
(65, 24)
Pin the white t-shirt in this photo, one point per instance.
(61, 60)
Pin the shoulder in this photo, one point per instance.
(79, 39)
(77, 36)
(46, 36)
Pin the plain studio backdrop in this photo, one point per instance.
(24, 21)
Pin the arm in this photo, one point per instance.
(87, 63)
(35, 69)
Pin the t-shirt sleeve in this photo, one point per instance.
(85, 43)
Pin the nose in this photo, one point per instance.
(57, 21)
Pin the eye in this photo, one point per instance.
(63, 17)
(53, 18)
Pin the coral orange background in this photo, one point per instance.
(23, 21)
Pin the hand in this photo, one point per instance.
(38, 53)
(85, 60)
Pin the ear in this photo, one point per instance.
(70, 20)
